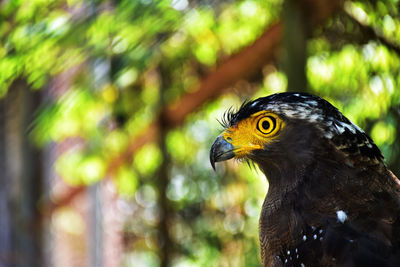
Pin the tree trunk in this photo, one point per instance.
(295, 33)
(163, 179)
(5, 181)
(21, 237)
(394, 160)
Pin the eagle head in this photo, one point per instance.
(291, 129)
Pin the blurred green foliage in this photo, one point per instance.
(115, 50)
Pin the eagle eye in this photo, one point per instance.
(266, 125)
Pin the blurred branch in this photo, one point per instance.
(242, 65)
(63, 200)
(372, 33)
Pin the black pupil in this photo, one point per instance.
(265, 125)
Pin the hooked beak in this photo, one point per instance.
(221, 150)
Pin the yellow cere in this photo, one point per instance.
(253, 133)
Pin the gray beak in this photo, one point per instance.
(221, 150)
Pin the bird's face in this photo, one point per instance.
(284, 126)
(253, 133)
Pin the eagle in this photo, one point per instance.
(331, 199)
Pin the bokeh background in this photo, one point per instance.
(108, 109)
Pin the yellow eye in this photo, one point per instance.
(266, 125)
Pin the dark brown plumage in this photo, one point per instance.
(331, 200)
